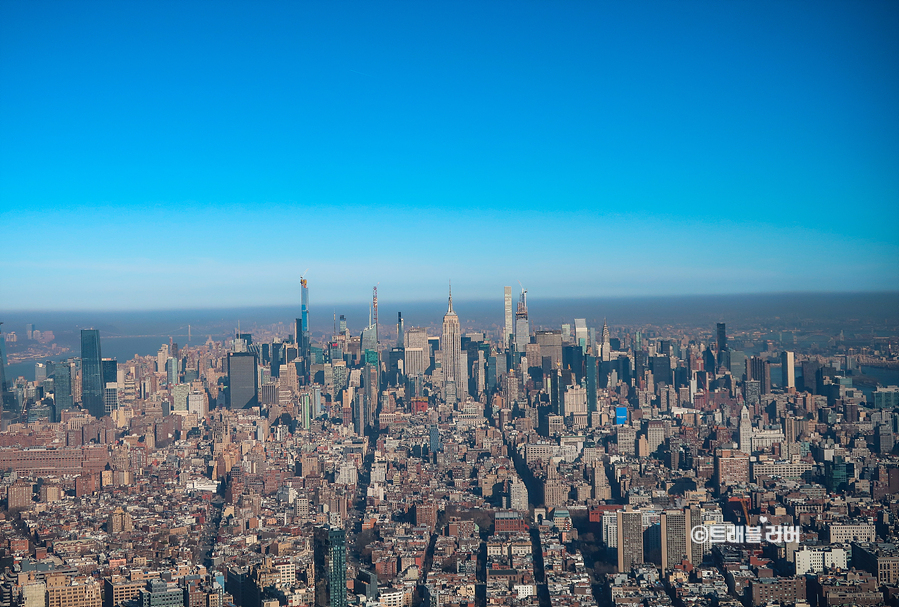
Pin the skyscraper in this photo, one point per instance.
(171, 371)
(606, 343)
(417, 354)
(451, 345)
(91, 373)
(522, 327)
(788, 369)
(590, 371)
(630, 539)
(581, 335)
(434, 439)
(242, 380)
(745, 431)
(724, 355)
(3, 385)
(518, 494)
(110, 371)
(304, 342)
(110, 398)
(62, 387)
(759, 369)
(675, 538)
(509, 329)
(374, 307)
(329, 561)
(369, 339)
(371, 378)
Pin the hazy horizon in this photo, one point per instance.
(640, 309)
(516, 290)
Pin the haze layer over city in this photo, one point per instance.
(449, 305)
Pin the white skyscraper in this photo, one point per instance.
(575, 401)
(745, 431)
(451, 347)
(518, 494)
(606, 346)
(788, 369)
(509, 330)
(581, 336)
(417, 352)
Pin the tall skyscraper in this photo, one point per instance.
(788, 369)
(110, 371)
(110, 398)
(630, 539)
(374, 307)
(522, 327)
(518, 494)
(242, 380)
(400, 331)
(3, 384)
(434, 439)
(509, 328)
(745, 431)
(606, 342)
(304, 340)
(417, 355)
(451, 346)
(371, 378)
(62, 387)
(329, 562)
(676, 542)
(724, 354)
(171, 371)
(590, 371)
(550, 342)
(581, 335)
(759, 369)
(92, 373)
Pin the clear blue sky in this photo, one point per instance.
(200, 154)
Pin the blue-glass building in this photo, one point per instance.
(329, 559)
(92, 373)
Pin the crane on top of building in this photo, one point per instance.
(522, 302)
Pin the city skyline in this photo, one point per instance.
(253, 351)
(174, 156)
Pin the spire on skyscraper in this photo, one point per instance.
(454, 370)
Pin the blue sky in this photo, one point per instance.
(202, 154)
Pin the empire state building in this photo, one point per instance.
(452, 364)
